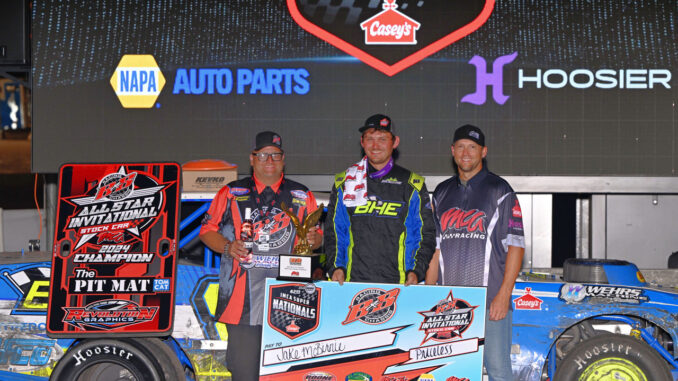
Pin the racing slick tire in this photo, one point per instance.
(119, 359)
(613, 357)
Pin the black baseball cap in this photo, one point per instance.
(469, 132)
(378, 122)
(267, 138)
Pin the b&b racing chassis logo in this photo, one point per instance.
(372, 306)
(118, 210)
(447, 320)
(108, 314)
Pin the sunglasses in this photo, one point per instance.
(263, 156)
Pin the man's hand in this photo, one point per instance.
(314, 238)
(411, 279)
(238, 251)
(499, 306)
(338, 276)
(318, 274)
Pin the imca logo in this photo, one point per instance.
(137, 81)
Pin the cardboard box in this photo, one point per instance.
(207, 175)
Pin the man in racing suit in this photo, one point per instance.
(480, 237)
(242, 274)
(379, 225)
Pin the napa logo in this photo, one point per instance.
(137, 81)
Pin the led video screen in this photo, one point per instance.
(584, 88)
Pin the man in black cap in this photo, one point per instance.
(379, 225)
(480, 241)
(243, 271)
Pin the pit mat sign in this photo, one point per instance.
(114, 254)
(372, 331)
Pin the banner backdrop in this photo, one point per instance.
(362, 331)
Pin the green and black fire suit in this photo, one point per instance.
(383, 240)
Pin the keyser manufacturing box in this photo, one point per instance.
(207, 175)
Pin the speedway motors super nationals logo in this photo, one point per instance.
(114, 253)
(294, 309)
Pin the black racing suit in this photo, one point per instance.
(393, 234)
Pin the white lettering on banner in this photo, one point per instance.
(434, 352)
(397, 31)
(335, 346)
(602, 79)
(114, 258)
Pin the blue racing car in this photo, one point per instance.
(601, 321)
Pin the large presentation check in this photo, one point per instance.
(372, 331)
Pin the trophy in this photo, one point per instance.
(299, 264)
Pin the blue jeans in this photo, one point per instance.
(497, 356)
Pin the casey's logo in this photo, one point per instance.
(527, 301)
(382, 35)
(470, 220)
(390, 27)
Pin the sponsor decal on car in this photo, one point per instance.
(32, 285)
(575, 293)
(527, 301)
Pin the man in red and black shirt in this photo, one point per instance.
(242, 274)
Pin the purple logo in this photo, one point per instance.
(515, 225)
(484, 79)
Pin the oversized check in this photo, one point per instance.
(372, 331)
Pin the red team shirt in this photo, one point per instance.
(241, 288)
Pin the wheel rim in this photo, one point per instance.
(107, 371)
(613, 368)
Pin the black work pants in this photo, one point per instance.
(242, 354)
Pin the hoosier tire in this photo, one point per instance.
(613, 357)
(171, 367)
(120, 360)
